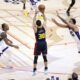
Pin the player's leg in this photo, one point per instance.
(35, 63)
(36, 54)
(70, 6)
(44, 53)
(45, 62)
(24, 4)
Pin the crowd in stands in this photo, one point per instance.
(74, 76)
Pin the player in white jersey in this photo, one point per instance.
(4, 39)
(74, 30)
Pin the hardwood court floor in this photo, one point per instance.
(63, 58)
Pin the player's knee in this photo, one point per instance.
(45, 58)
(35, 59)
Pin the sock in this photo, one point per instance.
(34, 69)
(46, 68)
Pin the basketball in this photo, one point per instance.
(41, 8)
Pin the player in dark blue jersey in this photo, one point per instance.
(41, 44)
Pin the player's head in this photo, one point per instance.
(38, 23)
(5, 27)
(74, 76)
(73, 21)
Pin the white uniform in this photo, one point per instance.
(76, 38)
(2, 43)
(6, 58)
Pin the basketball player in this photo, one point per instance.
(41, 44)
(33, 4)
(70, 6)
(72, 26)
(3, 38)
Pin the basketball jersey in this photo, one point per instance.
(40, 34)
(0, 35)
(74, 34)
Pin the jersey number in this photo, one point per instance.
(41, 36)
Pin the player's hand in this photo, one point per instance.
(15, 46)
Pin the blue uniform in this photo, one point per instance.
(40, 45)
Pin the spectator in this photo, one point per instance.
(74, 76)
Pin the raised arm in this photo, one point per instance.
(34, 18)
(44, 17)
(59, 24)
(34, 22)
(70, 25)
(62, 19)
(45, 20)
